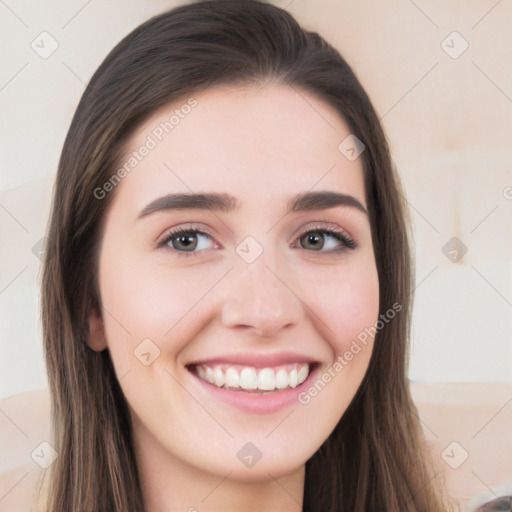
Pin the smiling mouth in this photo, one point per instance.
(251, 379)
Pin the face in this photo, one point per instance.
(232, 318)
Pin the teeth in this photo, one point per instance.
(232, 378)
(267, 379)
(293, 378)
(218, 376)
(302, 375)
(249, 378)
(282, 378)
(209, 375)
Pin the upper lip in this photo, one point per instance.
(258, 360)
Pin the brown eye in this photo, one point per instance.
(319, 239)
(187, 242)
(313, 240)
(503, 504)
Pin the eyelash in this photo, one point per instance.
(346, 241)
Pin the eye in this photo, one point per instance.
(322, 239)
(187, 242)
(190, 241)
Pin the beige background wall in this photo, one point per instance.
(447, 113)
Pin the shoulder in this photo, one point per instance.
(25, 448)
(467, 428)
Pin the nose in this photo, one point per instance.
(261, 299)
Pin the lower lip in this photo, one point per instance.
(256, 402)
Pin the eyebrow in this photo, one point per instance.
(307, 201)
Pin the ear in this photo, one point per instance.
(96, 338)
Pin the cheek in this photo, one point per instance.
(354, 311)
(348, 303)
(147, 300)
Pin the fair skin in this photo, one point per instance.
(300, 299)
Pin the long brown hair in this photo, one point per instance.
(375, 459)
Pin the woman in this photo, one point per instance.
(227, 292)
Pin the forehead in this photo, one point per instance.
(254, 141)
